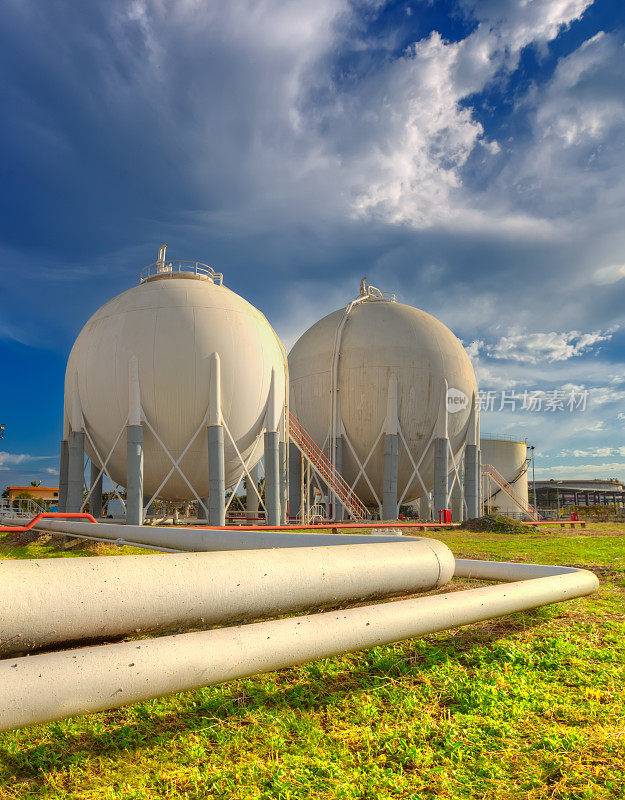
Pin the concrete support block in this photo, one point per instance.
(272, 477)
(216, 476)
(75, 471)
(441, 475)
(63, 468)
(95, 500)
(134, 475)
(389, 476)
(424, 508)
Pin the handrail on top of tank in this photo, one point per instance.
(503, 437)
(171, 268)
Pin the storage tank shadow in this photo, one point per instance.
(156, 375)
(389, 393)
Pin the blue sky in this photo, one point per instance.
(468, 155)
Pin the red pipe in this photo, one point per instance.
(47, 515)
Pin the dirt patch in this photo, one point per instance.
(495, 523)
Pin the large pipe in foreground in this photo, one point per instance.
(43, 688)
(51, 601)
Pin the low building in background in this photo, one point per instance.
(35, 492)
(557, 494)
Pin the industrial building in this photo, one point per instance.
(558, 494)
(35, 492)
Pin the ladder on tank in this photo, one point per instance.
(327, 471)
(498, 478)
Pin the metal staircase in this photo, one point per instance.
(498, 478)
(326, 471)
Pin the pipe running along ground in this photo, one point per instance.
(52, 601)
(51, 686)
(201, 540)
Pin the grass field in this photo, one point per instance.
(529, 706)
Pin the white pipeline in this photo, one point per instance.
(52, 601)
(51, 686)
(181, 539)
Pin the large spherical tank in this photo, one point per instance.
(173, 325)
(380, 339)
(510, 459)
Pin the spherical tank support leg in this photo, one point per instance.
(272, 477)
(95, 500)
(441, 475)
(134, 475)
(75, 470)
(63, 468)
(216, 476)
(389, 476)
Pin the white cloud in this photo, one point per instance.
(604, 471)
(604, 276)
(13, 459)
(420, 132)
(599, 452)
(540, 347)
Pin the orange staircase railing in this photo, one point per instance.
(488, 469)
(326, 470)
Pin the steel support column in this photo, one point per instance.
(424, 508)
(75, 471)
(472, 480)
(389, 476)
(216, 476)
(338, 509)
(457, 506)
(295, 481)
(251, 483)
(134, 475)
(95, 500)
(272, 477)
(441, 475)
(63, 469)
(284, 482)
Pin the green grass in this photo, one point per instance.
(530, 706)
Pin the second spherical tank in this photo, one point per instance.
(172, 323)
(382, 341)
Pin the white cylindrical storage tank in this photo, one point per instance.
(377, 351)
(172, 323)
(509, 457)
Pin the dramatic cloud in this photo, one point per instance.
(540, 347)
(470, 157)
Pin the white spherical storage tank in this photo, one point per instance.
(509, 458)
(361, 353)
(172, 323)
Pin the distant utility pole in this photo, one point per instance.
(533, 476)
